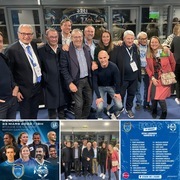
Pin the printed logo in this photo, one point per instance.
(18, 170)
(127, 126)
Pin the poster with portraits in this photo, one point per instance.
(29, 150)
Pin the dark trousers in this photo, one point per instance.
(67, 169)
(177, 73)
(77, 165)
(8, 108)
(29, 107)
(130, 87)
(88, 167)
(83, 99)
(103, 167)
(54, 113)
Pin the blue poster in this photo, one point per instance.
(29, 150)
(150, 150)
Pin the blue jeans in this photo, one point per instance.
(145, 79)
(8, 109)
(117, 103)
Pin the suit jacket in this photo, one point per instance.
(21, 67)
(120, 60)
(79, 153)
(70, 66)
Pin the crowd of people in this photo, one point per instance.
(32, 158)
(88, 159)
(67, 70)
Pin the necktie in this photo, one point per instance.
(32, 61)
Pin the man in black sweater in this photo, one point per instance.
(106, 80)
(67, 158)
(8, 90)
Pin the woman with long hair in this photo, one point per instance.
(112, 162)
(106, 44)
(102, 160)
(22, 139)
(158, 62)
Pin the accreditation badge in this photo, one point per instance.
(133, 66)
(18, 170)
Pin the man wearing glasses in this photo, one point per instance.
(143, 46)
(25, 66)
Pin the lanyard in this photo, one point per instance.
(130, 55)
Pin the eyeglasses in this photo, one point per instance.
(26, 34)
(143, 39)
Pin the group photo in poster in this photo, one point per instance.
(29, 150)
(90, 150)
(150, 150)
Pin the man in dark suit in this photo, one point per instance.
(53, 84)
(76, 70)
(25, 66)
(8, 90)
(87, 156)
(129, 64)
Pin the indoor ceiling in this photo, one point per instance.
(89, 126)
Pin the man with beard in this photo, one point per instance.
(44, 168)
(36, 142)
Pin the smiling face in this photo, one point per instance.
(103, 59)
(143, 40)
(52, 38)
(154, 43)
(36, 139)
(129, 40)
(66, 27)
(106, 38)
(39, 153)
(52, 152)
(25, 153)
(24, 139)
(25, 34)
(89, 32)
(77, 39)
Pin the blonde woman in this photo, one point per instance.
(112, 162)
(158, 62)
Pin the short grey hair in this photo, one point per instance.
(141, 34)
(75, 31)
(25, 25)
(50, 29)
(128, 32)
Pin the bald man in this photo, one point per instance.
(106, 80)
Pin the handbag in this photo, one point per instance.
(115, 163)
(168, 78)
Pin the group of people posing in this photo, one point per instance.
(71, 66)
(33, 158)
(87, 159)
